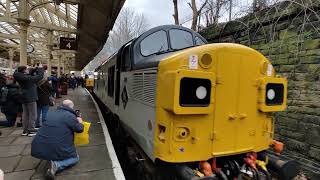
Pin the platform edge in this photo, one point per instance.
(117, 170)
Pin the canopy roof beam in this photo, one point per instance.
(38, 25)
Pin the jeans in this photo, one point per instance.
(63, 164)
(43, 111)
(29, 115)
(11, 120)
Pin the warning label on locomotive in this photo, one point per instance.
(193, 62)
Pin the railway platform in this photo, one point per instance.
(97, 159)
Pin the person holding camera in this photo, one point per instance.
(54, 140)
(28, 87)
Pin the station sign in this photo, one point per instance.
(68, 43)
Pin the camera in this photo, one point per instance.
(78, 113)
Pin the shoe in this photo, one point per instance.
(51, 172)
(37, 128)
(32, 133)
(24, 133)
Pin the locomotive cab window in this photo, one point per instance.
(111, 72)
(126, 61)
(154, 43)
(180, 39)
(199, 41)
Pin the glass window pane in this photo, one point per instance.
(199, 41)
(180, 39)
(156, 42)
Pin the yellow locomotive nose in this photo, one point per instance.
(218, 106)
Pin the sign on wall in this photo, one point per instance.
(68, 43)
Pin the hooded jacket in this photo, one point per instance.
(54, 140)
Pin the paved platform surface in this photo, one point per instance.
(95, 163)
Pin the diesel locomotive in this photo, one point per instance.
(193, 110)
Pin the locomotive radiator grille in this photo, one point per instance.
(143, 87)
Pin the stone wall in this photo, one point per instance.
(289, 35)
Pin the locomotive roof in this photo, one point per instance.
(153, 59)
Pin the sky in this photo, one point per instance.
(159, 12)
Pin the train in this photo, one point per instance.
(186, 109)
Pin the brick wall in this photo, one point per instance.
(289, 35)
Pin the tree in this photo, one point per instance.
(212, 11)
(176, 12)
(128, 25)
(259, 4)
(196, 13)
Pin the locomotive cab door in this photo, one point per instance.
(232, 121)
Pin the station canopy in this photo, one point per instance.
(86, 21)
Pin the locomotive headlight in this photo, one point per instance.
(194, 92)
(201, 92)
(271, 94)
(274, 94)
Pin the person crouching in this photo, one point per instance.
(54, 140)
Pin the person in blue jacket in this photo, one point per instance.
(54, 140)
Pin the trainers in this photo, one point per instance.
(51, 172)
(24, 133)
(31, 133)
(37, 127)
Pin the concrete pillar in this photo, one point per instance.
(49, 45)
(11, 56)
(8, 12)
(24, 23)
(23, 43)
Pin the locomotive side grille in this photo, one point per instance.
(137, 86)
(144, 86)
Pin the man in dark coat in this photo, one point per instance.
(54, 140)
(28, 85)
(10, 105)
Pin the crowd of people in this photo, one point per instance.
(25, 100)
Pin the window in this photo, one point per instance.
(111, 71)
(180, 39)
(199, 41)
(126, 61)
(154, 43)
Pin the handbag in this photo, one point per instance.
(81, 139)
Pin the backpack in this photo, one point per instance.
(3, 95)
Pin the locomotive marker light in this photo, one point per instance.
(271, 94)
(201, 92)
